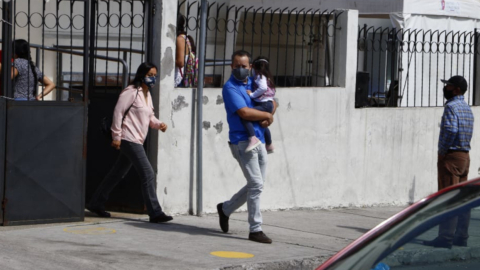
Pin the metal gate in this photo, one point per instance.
(43, 142)
(97, 46)
(119, 36)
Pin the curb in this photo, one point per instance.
(433, 255)
(294, 264)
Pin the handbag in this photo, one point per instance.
(106, 122)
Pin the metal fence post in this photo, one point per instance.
(7, 25)
(201, 76)
(475, 96)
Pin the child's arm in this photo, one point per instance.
(261, 82)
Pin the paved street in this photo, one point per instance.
(302, 240)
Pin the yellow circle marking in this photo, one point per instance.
(91, 231)
(232, 254)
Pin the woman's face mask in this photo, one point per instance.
(240, 73)
(150, 82)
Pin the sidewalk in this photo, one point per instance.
(302, 239)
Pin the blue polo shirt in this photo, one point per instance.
(235, 97)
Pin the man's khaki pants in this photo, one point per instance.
(453, 169)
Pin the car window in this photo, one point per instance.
(463, 254)
(400, 245)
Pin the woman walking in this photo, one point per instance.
(132, 117)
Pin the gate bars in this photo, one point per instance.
(40, 23)
(416, 59)
(300, 43)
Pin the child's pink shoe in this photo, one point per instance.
(270, 148)
(254, 142)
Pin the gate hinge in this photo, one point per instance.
(4, 203)
(154, 10)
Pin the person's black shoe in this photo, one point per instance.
(99, 212)
(223, 218)
(161, 218)
(438, 243)
(259, 237)
(459, 242)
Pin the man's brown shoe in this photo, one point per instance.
(259, 237)
(223, 218)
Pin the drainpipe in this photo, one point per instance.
(201, 76)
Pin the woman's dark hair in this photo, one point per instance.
(260, 65)
(181, 31)
(22, 50)
(181, 25)
(142, 72)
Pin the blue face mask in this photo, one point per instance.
(150, 82)
(241, 74)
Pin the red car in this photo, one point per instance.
(398, 242)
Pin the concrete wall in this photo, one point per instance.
(328, 154)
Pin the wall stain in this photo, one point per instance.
(219, 127)
(219, 100)
(167, 63)
(171, 119)
(206, 125)
(205, 100)
(289, 106)
(172, 29)
(179, 103)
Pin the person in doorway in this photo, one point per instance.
(26, 75)
(453, 158)
(132, 116)
(186, 64)
(262, 94)
(239, 105)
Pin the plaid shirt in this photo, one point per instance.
(457, 126)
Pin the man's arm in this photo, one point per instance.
(450, 130)
(250, 114)
(234, 100)
(246, 113)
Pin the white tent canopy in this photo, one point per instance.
(452, 8)
(456, 8)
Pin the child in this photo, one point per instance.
(262, 95)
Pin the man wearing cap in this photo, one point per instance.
(453, 157)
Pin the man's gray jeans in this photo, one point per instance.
(253, 164)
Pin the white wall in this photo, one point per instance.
(328, 154)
